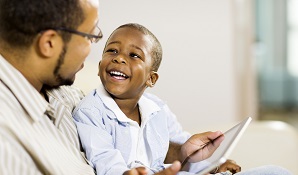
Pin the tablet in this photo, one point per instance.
(221, 154)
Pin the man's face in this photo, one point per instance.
(71, 59)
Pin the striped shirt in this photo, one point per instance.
(37, 137)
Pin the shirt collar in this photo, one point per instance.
(146, 106)
(25, 93)
(111, 104)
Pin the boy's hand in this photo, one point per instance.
(229, 165)
(201, 146)
(172, 170)
(136, 171)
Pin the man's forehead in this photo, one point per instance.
(90, 3)
(91, 11)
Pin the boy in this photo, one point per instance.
(120, 126)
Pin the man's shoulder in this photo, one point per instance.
(8, 101)
(66, 94)
(70, 90)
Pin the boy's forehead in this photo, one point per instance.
(130, 35)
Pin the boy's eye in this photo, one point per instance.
(112, 50)
(134, 55)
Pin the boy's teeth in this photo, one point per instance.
(118, 73)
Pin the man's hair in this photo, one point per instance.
(156, 50)
(22, 20)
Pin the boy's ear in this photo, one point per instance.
(98, 68)
(153, 79)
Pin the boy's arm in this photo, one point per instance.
(182, 144)
(174, 153)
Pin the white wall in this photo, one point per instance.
(198, 74)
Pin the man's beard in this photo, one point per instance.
(59, 79)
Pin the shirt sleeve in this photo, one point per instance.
(177, 135)
(176, 132)
(98, 143)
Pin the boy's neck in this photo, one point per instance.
(130, 109)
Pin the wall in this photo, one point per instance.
(199, 73)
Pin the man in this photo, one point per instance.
(40, 47)
(43, 44)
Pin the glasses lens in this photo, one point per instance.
(98, 33)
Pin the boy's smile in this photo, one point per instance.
(118, 75)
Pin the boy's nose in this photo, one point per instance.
(119, 59)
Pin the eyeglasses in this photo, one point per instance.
(92, 38)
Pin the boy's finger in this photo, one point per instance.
(172, 170)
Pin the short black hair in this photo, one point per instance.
(156, 50)
(22, 20)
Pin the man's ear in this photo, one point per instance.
(152, 79)
(49, 43)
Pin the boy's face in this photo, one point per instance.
(125, 68)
